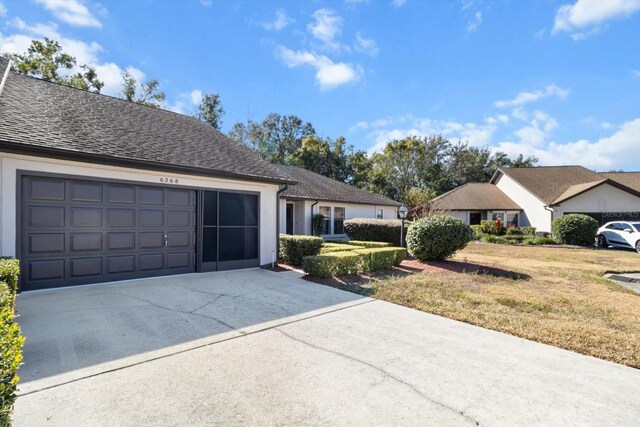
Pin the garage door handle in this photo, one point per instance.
(166, 241)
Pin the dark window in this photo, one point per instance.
(238, 243)
(475, 218)
(210, 207)
(379, 213)
(209, 244)
(338, 220)
(239, 210)
(326, 224)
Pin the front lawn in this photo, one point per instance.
(552, 295)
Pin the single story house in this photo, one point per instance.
(96, 189)
(335, 200)
(535, 196)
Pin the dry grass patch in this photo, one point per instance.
(557, 296)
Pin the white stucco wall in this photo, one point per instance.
(10, 164)
(463, 215)
(604, 198)
(351, 210)
(533, 214)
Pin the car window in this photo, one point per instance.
(625, 227)
(636, 226)
(614, 226)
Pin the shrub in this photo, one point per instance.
(337, 247)
(352, 262)
(477, 229)
(575, 229)
(375, 230)
(11, 341)
(437, 237)
(514, 231)
(369, 244)
(294, 248)
(495, 228)
(9, 271)
(490, 239)
(528, 231)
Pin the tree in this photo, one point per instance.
(210, 110)
(46, 60)
(148, 93)
(275, 138)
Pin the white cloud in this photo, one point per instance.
(606, 153)
(589, 14)
(368, 46)
(398, 3)
(327, 26)
(3, 10)
(280, 22)
(527, 97)
(475, 22)
(329, 74)
(72, 12)
(196, 96)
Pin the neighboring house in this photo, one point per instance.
(335, 200)
(535, 196)
(96, 189)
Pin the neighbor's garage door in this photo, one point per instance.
(80, 231)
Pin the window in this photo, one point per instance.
(379, 214)
(497, 216)
(326, 224)
(512, 220)
(338, 220)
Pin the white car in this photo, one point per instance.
(619, 234)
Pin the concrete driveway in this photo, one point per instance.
(262, 348)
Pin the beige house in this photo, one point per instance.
(535, 196)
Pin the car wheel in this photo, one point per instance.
(638, 246)
(601, 241)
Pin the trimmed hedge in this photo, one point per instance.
(369, 244)
(575, 229)
(294, 248)
(337, 247)
(477, 230)
(353, 262)
(495, 228)
(528, 230)
(437, 237)
(375, 230)
(11, 340)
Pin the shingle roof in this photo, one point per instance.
(548, 183)
(574, 190)
(313, 186)
(474, 196)
(44, 117)
(628, 179)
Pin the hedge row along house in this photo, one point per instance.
(96, 189)
(535, 196)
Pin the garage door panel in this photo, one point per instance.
(81, 267)
(121, 193)
(46, 269)
(151, 240)
(45, 216)
(121, 218)
(121, 241)
(86, 192)
(83, 242)
(46, 189)
(86, 217)
(78, 231)
(41, 243)
(121, 264)
(151, 261)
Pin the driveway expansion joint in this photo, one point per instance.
(381, 370)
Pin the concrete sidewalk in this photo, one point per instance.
(324, 357)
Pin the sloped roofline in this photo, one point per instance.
(598, 184)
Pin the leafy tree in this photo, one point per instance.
(275, 138)
(210, 110)
(417, 200)
(147, 94)
(46, 60)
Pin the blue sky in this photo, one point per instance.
(555, 79)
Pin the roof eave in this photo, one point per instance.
(25, 149)
(609, 181)
(324, 199)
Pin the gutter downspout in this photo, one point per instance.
(283, 188)
(5, 76)
(550, 209)
(317, 201)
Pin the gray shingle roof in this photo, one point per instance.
(313, 186)
(629, 179)
(46, 118)
(474, 196)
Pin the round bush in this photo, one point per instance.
(575, 229)
(437, 237)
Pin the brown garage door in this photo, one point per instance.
(76, 232)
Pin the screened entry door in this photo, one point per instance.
(228, 230)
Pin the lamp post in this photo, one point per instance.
(402, 213)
